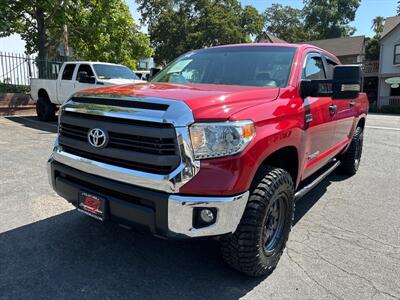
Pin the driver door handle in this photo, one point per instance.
(332, 109)
(352, 103)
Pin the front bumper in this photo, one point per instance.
(164, 214)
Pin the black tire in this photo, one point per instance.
(250, 249)
(350, 161)
(45, 110)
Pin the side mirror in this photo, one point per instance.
(315, 88)
(307, 88)
(154, 72)
(84, 78)
(346, 83)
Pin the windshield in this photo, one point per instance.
(261, 66)
(111, 71)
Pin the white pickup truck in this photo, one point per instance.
(73, 77)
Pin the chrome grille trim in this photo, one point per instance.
(178, 114)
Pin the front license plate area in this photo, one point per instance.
(92, 205)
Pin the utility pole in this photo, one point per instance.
(66, 48)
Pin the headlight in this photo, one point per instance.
(220, 139)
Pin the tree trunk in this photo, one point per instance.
(42, 39)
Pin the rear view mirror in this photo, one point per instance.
(315, 88)
(84, 78)
(154, 72)
(346, 83)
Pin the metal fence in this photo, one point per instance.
(18, 69)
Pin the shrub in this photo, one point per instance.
(390, 109)
(13, 88)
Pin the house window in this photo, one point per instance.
(397, 54)
(395, 92)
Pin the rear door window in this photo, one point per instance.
(68, 72)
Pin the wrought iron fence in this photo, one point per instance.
(16, 70)
(392, 100)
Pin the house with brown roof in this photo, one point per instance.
(349, 50)
(381, 78)
(267, 37)
(389, 63)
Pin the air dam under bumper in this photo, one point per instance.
(167, 215)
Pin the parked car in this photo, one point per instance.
(143, 74)
(73, 77)
(220, 144)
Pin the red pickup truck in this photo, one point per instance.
(221, 144)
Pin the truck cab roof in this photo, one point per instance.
(91, 63)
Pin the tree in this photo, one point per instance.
(97, 29)
(178, 26)
(107, 32)
(372, 49)
(32, 20)
(377, 25)
(330, 18)
(286, 22)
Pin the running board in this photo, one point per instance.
(300, 193)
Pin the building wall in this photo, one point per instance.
(387, 53)
(387, 69)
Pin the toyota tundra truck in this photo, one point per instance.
(221, 143)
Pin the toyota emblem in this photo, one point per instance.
(98, 138)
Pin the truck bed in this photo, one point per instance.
(49, 85)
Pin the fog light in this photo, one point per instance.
(204, 216)
(207, 216)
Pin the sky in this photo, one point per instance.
(367, 11)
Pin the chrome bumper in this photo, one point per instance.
(229, 213)
(170, 183)
(176, 209)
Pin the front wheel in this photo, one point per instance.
(350, 161)
(257, 244)
(45, 110)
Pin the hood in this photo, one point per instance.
(207, 101)
(114, 81)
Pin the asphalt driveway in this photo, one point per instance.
(345, 243)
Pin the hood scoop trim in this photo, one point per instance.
(122, 103)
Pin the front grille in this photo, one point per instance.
(160, 146)
(143, 146)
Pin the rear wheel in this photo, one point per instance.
(350, 161)
(257, 245)
(45, 110)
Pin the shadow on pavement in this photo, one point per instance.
(309, 200)
(72, 256)
(33, 122)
